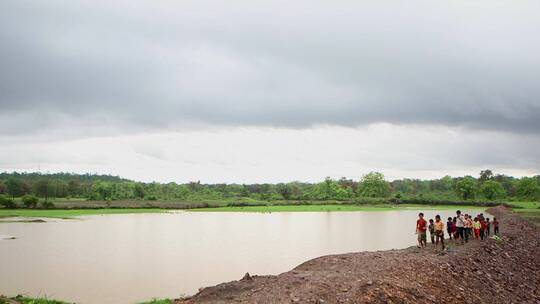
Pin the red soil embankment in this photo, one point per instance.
(490, 271)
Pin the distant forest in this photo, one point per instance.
(486, 187)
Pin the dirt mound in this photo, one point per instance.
(491, 271)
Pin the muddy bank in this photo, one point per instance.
(506, 271)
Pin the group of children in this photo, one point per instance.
(461, 227)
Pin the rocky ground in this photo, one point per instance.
(491, 271)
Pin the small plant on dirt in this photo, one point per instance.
(158, 301)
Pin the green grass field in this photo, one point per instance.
(528, 210)
(329, 208)
(68, 213)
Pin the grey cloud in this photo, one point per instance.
(147, 65)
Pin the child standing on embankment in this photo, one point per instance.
(421, 227)
(431, 229)
(476, 227)
(468, 227)
(449, 227)
(495, 226)
(439, 230)
(483, 227)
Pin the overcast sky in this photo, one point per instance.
(269, 91)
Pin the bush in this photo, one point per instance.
(492, 190)
(30, 201)
(47, 204)
(7, 202)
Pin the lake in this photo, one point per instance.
(135, 257)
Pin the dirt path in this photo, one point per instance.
(507, 271)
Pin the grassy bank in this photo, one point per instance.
(68, 213)
(528, 210)
(27, 300)
(68, 209)
(330, 208)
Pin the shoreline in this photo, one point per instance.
(75, 212)
(488, 271)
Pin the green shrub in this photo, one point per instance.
(30, 201)
(7, 202)
(26, 300)
(47, 204)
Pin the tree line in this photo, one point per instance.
(487, 186)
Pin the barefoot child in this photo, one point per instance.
(449, 227)
(421, 227)
(488, 227)
(468, 227)
(495, 226)
(431, 229)
(483, 228)
(439, 230)
(454, 229)
(476, 227)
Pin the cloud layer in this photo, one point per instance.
(136, 66)
(248, 91)
(249, 155)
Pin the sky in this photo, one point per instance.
(270, 91)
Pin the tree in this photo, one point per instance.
(43, 188)
(509, 183)
(527, 187)
(285, 190)
(26, 188)
(30, 201)
(492, 190)
(485, 175)
(14, 187)
(138, 191)
(330, 189)
(466, 187)
(103, 190)
(374, 185)
(443, 184)
(348, 183)
(73, 188)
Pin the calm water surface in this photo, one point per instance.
(135, 257)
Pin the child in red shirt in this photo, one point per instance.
(495, 226)
(421, 227)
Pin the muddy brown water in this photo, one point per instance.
(135, 257)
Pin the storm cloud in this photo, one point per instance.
(145, 65)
